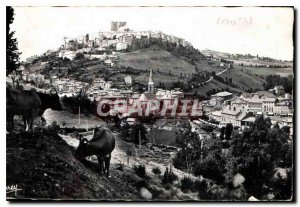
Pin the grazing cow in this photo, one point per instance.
(101, 145)
(49, 101)
(24, 103)
(29, 104)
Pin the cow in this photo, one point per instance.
(49, 101)
(24, 103)
(29, 104)
(102, 144)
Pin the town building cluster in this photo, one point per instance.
(68, 87)
(101, 89)
(224, 107)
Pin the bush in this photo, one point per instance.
(203, 189)
(186, 184)
(169, 176)
(120, 167)
(140, 170)
(156, 191)
(156, 171)
(211, 167)
(207, 128)
(79, 56)
(54, 126)
(141, 184)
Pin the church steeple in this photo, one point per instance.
(150, 83)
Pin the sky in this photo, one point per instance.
(245, 30)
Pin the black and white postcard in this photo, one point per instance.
(130, 103)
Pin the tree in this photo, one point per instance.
(189, 145)
(12, 54)
(138, 130)
(228, 130)
(212, 165)
(64, 123)
(286, 129)
(256, 154)
(66, 60)
(222, 133)
(106, 75)
(79, 56)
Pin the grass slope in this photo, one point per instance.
(269, 71)
(214, 84)
(243, 79)
(46, 168)
(156, 58)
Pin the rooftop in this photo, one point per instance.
(232, 110)
(222, 94)
(246, 95)
(239, 100)
(279, 87)
(249, 119)
(147, 96)
(265, 94)
(216, 113)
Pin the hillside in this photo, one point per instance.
(173, 67)
(44, 167)
(156, 59)
(243, 79)
(215, 85)
(267, 71)
(167, 68)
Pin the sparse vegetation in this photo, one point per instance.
(186, 184)
(256, 155)
(207, 128)
(156, 170)
(275, 80)
(140, 170)
(54, 126)
(169, 176)
(79, 56)
(120, 167)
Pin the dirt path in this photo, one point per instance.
(219, 73)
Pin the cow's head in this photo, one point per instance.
(54, 101)
(82, 150)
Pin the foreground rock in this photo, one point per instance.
(145, 194)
